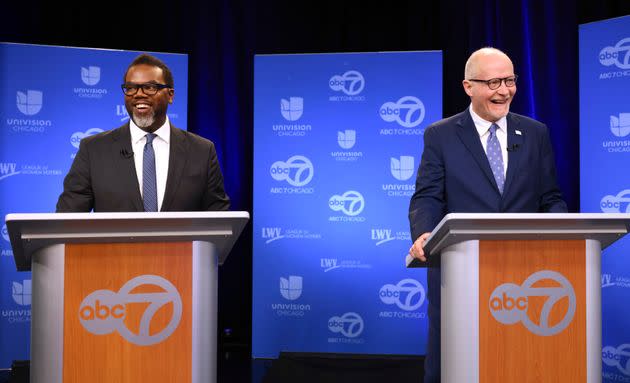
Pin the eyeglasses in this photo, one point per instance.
(495, 83)
(149, 88)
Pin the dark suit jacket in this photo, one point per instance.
(455, 175)
(103, 175)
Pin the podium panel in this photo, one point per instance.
(532, 311)
(128, 312)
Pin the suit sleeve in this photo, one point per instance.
(215, 197)
(428, 205)
(551, 197)
(77, 195)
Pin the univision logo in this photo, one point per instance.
(91, 75)
(402, 168)
(30, 103)
(21, 292)
(618, 55)
(292, 108)
(347, 138)
(291, 288)
(620, 126)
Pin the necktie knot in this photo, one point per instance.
(493, 129)
(150, 137)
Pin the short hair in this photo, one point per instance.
(147, 59)
(470, 68)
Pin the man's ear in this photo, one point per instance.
(467, 87)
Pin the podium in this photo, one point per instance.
(123, 297)
(521, 295)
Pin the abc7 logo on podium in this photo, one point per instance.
(510, 303)
(104, 311)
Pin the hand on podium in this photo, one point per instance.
(417, 249)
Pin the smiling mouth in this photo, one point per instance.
(142, 107)
(500, 102)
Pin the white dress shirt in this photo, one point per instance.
(161, 145)
(483, 128)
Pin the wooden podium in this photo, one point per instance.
(521, 295)
(123, 297)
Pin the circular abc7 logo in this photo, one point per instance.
(408, 111)
(76, 137)
(104, 311)
(350, 203)
(350, 83)
(618, 55)
(408, 294)
(5, 233)
(617, 357)
(297, 171)
(510, 303)
(349, 325)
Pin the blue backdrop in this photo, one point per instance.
(604, 164)
(50, 98)
(337, 139)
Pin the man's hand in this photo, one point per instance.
(416, 250)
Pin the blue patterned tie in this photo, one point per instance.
(149, 184)
(495, 157)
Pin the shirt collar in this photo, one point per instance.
(164, 132)
(483, 126)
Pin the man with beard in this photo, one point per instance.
(147, 164)
(485, 159)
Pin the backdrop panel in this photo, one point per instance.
(50, 98)
(604, 179)
(337, 140)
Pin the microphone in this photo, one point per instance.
(512, 148)
(125, 153)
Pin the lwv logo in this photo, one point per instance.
(7, 169)
(381, 236)
(271, 234)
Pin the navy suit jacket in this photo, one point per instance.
(455, 176)
(103, 175)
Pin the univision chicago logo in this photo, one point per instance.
(292, 108)
(291, 288)
(22, 292)
(402, 168)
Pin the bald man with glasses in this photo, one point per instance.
(485, 159)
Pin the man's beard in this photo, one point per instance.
(144, 122)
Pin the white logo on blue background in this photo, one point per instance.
(617, 357)
(350, 83)
(619, 203)
(402, 168)
(407, 294)
(607, 280)
(349, 325)
(21, 292)
(272, 234)
(620, 126)
(291, 288)
(292, 109)
(618, 55)
(347, 138)
(297, 171)
(30, 103)
(91, 75)
(350, 203)
(5, 233)
(407, 112)
(508, 303)
(8, 169)
(76, 138)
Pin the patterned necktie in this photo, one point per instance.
(495, 157)
(149, 184)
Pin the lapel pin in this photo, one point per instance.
(518, 132)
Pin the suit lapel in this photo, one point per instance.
(176, 164)
(123, 159)
(470, 138)
(515, 143)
